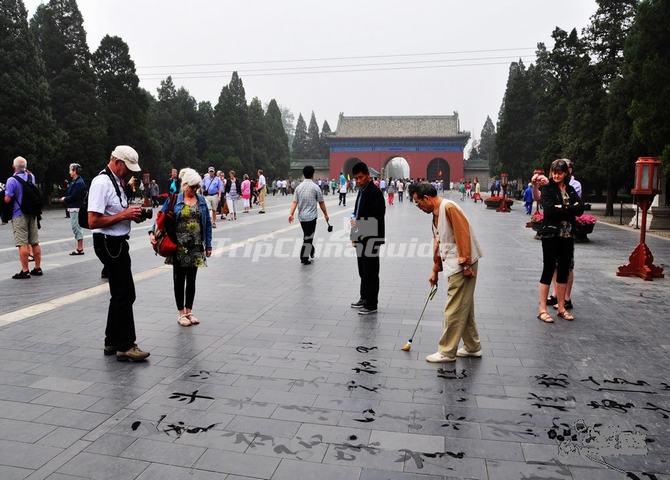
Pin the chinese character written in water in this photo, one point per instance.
(560, 380)
(366, 367)
(621, 385)
(368, 416)
(452, 374)
(191, 397)
(551, 402)
(664, 412)
(362, 349)
(352, 385)
(611, 405)
(202, 374)
(178, 428)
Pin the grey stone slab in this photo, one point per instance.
(499, 470)
(68, 400)
(24, 455)
(266, 426)
(293, 469)
(219, 440)
(170, 472)
(61, 384)
(62, 437)
(238, 464)
(13, 473)
(65, 417)
(19, 394)
(163, 452)
(470, 468)
(307, 414)
(111, 444)
(103, 467)
(245, 406)
(332, 434)
(370, 474)
(360, 455)
(21, 411)
(22, 431)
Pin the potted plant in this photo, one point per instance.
(494, 201)
(583, 226)
(536, 221)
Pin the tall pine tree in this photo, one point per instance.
(277, 146)
(487, 145)
(124, 106)
(313, 139)
(59, 29)
(259, 139)
(325, 132)
(27, 127)
(300, 148)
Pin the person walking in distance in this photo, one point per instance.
(74, 195)
(307, 196)
(261, 187)
(400, 186)
(109, 217)
(25, 218)
(367, 236)
(212, 187)
(343, 189)
(246, 193)
(456, 253)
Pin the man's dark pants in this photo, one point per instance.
(308, 229)
(113, 253)
(368, 270)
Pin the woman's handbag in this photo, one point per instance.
(166, 245)
(224, 208)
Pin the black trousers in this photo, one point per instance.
(343, 199)
(368, 270)
(184, 285)
(307, 248)
(557, 254)
(113, 253)
(400, 196)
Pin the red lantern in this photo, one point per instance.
(647, 184)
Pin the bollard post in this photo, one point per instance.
(621, 214)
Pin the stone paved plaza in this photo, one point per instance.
(282, 380)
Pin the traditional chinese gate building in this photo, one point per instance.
(432, 145)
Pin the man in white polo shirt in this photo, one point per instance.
(262, 190)
(109, 216)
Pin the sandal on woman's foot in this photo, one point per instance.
(184, 321)
(76, 252)
(545, 317)
(565, 315)
(194, 320)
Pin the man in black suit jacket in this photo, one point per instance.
(367, 234)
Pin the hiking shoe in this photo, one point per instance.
(552, 301)
(37, 272)
(367, 311)
(462, 352)
(358, 304)
(439, 357)
(133, 353)
(21, 275)
(261, 211)
(109, 350)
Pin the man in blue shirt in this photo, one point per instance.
(211, 189)
(25, 226)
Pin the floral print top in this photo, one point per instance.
(190, 250)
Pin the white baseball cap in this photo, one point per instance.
(129, 156)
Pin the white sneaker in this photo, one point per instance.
(462, 352)
(438, 357)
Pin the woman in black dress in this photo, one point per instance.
(561, 205)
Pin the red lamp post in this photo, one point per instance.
(502, 207)
(647, 185)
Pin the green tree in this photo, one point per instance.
(204, 125)
(647, 67)
(124, 106)
(325, 132)
(277, 145)
(258, 130)
(487, 145)
(59, 29)
(313, 139)
(300, 148)
(231, 124)
(27, 127)
(172, 119)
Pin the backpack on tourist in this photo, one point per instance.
(31, 200)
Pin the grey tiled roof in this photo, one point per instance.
(398, 127)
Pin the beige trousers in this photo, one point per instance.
(459, 315)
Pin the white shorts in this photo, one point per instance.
(212, 202)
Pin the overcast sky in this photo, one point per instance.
(204, 33)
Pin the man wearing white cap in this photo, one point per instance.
(211, 188)
(109, 216)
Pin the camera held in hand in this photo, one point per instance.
(146, 213)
